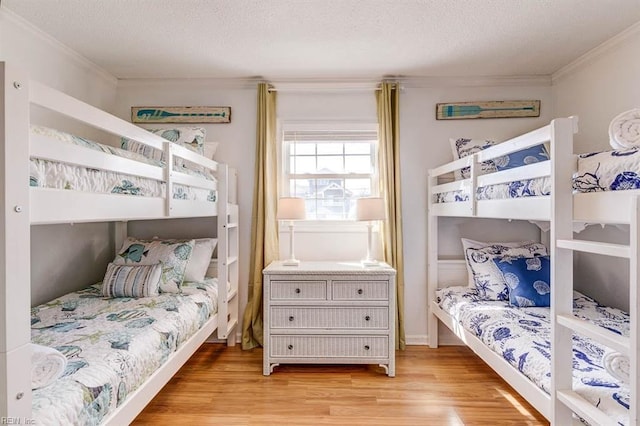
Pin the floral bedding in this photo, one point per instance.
(608, 171)
(112, 346)
(516, 189)
(597, 171)
(522, 336)
(48, 174)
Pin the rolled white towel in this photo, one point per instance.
(47, 365)
(624, 130)
(617, 365)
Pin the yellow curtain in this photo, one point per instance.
(264, 232)
(388, 99)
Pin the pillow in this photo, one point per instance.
(487, 278)
(173, 255)
(464, 147)
(528, 280)
(131, 281)
(200, 259)
(189, 137)
(210, 149)
(522, 158)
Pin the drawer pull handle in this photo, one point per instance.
(366, 347)
(367, 318)
(290, 347)
(291, 318)
(360, 291)
(297, 291)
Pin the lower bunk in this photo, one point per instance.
(118, 352)
(516, 342)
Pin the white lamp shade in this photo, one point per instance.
(291, 208)
(370, 208)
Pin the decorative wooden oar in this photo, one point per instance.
(488, 109)
(158, 113)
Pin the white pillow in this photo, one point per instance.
(462, 147)
(484, 275)
(210, 149)
(200, 258)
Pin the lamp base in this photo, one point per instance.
(369, 262)
(291, 262)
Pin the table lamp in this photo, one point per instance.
(291, 208)
(370, 209)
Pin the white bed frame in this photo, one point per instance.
(23, 207)
(561, 209)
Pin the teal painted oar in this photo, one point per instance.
(453, 110)
(158, 113)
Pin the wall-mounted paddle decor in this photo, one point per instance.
(487, 109)
(194, 114)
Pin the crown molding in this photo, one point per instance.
(595, 53)
(63, 49)
(202, 83)
(307, 85)
(477, 81)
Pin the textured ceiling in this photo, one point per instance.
(329, 39)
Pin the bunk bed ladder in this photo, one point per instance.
(565, 401)
(228, 245)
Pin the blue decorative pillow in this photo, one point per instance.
(484, 275)
(528, 280)
(530, 155)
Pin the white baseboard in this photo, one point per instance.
(417, 340)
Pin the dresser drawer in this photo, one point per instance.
(298, 290)
(360, 290)
(338, 318)
(329, 346)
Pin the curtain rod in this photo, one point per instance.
(328, 88)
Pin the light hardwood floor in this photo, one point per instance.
(445, 386)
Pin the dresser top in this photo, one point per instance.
(335, 267)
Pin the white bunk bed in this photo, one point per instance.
(561, 208)
(24, 206)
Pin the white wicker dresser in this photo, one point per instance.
(329, 313)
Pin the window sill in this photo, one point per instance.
(324, 226)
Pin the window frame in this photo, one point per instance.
(314, 224)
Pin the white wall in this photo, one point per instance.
(596, 88)
(64, 257)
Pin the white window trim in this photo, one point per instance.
(313, 225)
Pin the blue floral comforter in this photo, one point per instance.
(112, 346)
(522, 336)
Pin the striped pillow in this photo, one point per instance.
(131, 281)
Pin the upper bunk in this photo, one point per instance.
(475, 195)
(170, 181)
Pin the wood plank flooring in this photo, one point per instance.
(445, 386)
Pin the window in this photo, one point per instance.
(330, 166)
